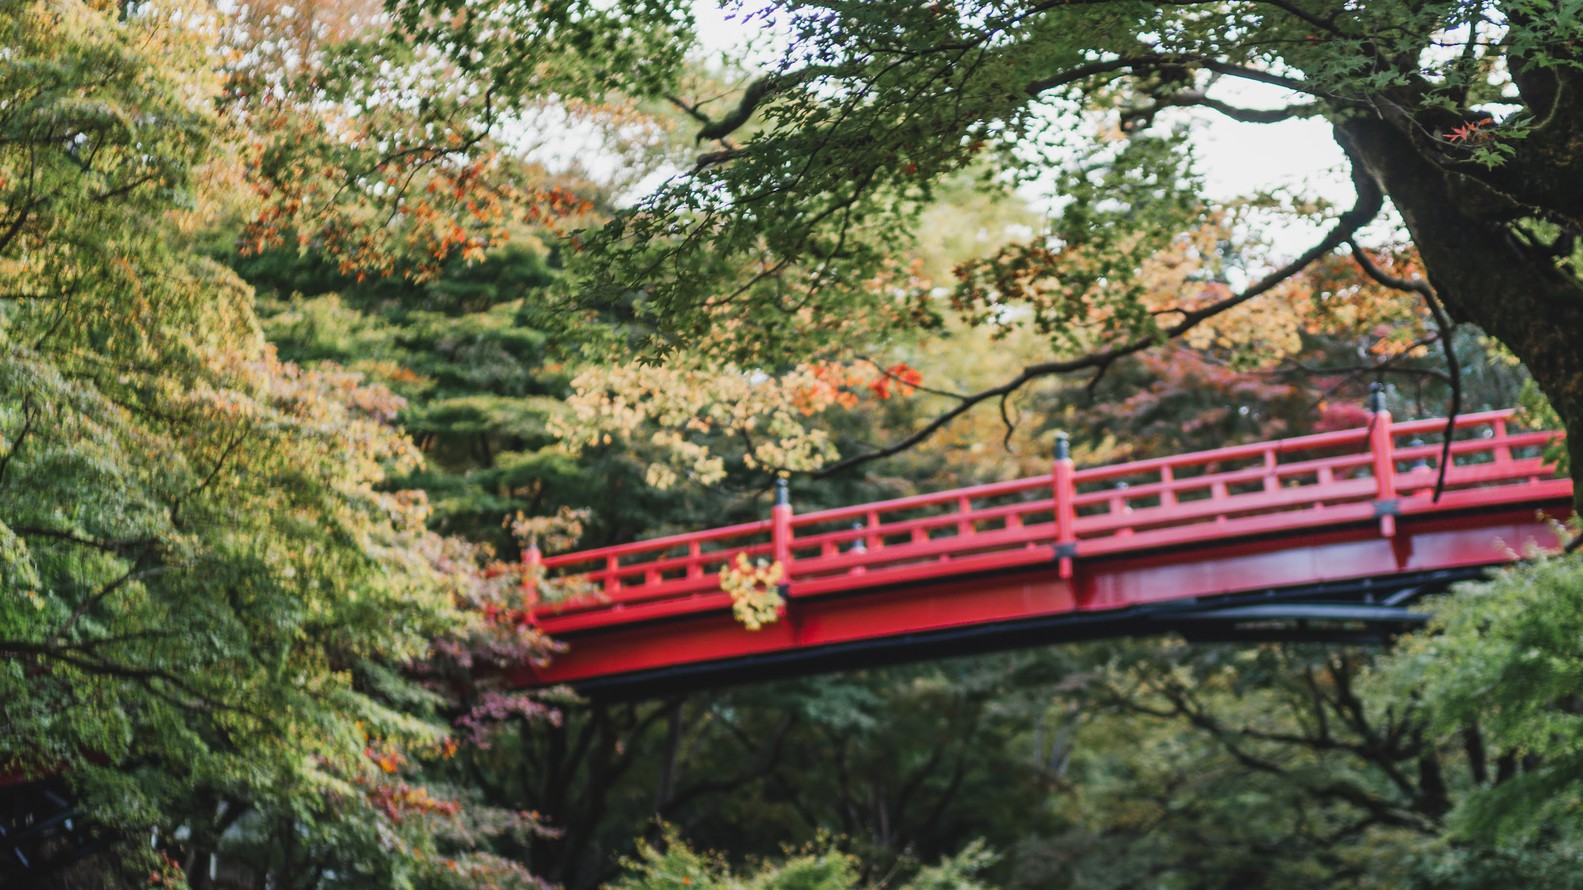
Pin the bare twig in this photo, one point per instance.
(918, 386)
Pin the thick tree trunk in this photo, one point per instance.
(1483, 274)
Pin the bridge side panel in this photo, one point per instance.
(1422, 543)
(810, 623)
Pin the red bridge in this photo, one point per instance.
(1327, 536)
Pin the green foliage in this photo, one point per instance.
(872, 104)
(1461, 866)
(1502, 655)
(214, 579)
(1124, 205)
(675, 866)
(483, 387)
(207, 582)
(1536, 411)
(636, 45)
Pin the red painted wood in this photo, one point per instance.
(1335, 506)
(1010, 516)
(1381, 449)
(532, 565)
(1064, 485)
(1345, 553)
(895, 505)
(825, 621)
(918, 571)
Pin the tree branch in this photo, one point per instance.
(1368, 205)
(219, 464)
(757, 92)
(1199, 99)
(146, 676)
(1152, 61)
(28, 416)
(767, 757)
(72, 538)
(135, 573)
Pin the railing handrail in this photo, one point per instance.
(664, 543)
(1370, 448)
(1437, 424)
(972, 492)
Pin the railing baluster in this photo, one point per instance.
(859, 548)
(612, 565)
(1502, 450)
(1121, 505)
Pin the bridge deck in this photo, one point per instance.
(1310, 527)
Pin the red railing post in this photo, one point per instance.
(781, 530)
(781, 539)
(1383, 450)
(532, 564)
(695, 554)
(1065, 491)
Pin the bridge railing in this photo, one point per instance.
(943, 526)
(1484, 453)
(1361, 474)
(657, 569)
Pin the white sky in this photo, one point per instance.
(1239, 158)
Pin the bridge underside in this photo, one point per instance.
(1345, 583)
(41, 834)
